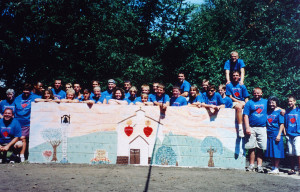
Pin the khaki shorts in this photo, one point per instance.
(293, 145)
(257, 139)
(235, 103)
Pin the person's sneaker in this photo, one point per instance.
(292, 172)
(241, 133)
(274, 172)
(260, 169)
(250, 168)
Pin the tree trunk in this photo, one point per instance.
(211, 161)
(54, 158)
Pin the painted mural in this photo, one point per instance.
(111, 134)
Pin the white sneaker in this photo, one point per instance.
(241, 133)
(250, 168)
(274, 172)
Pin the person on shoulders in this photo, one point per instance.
(195, 98)
(10, 132)
(275, 127)
(255, 117)
(57, 90)
(47, 96)
(213, 100)
(8, 102)
(160, 98)
(111, 84)
(239, 95)
(177, 99)
(70, 97)
(118, 97)
(234, 64)
(227, 100)
(183, 85)
(292, 125)
(132, 98)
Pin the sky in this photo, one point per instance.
(196, 1)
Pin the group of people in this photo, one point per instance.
(260, 121)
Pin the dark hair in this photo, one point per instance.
(118, 89)
(211, 87)
(49, 91)
(27, 86)
(292, 97)
(176, 87)
(236, 72)
(86, 91)
(127, 81)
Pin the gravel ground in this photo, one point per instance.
(82, 177)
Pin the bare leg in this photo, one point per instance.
(251, 156)
(259, 153)
(276, 162)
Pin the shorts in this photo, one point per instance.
(293, 144)
(257, 139)
(25, 131)
(235, 103)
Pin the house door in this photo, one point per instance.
(134, 156)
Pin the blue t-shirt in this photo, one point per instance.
(274, 119)
(198, 98)
(7, 104)
(107, 95)
(98, 99)
(292, 122)
(179, 101)
(257, 112)
(237, 91)
(59, 94)
(139, 99)
(9, 132)
(228, 102)
(131, 100)
(36, 96)
(184, 86)
(229, 65)
(163, 99)
(23, 109)
(127, 95)
(216, 99)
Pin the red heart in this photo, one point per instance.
(270, 120)
(258, 110)
(5, 134)
(128, 130)
(237, 94)
(24, 105)
(148, 131)
(293, 120)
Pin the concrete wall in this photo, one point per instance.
(110, 134)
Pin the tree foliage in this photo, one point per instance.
(149, 40)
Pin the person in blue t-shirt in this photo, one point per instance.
(10, 132)
(292, 125)
(8, 102)
(97, 98)
(111, 85)
(160, 98)
(77, 89)
(95, 83)
(118, 97)
(275, 148)
(195, 98)
(239, 95)
(234, 64)
(37, 90)
(57, 90)
(177, 99)
(70, 97)
(127, 86)
(213, 100)
(145, 90)
(183, 84)
(22, 114)
(255, 117)
(144, 100)
(227, 100)
(47, 96)
(132, 99)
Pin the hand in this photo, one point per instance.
(248, 131)
(278, 138)
(4, 148)
(241, 83)
(227, 82)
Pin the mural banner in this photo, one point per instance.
(114, 134)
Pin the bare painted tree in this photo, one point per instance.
(211, 145)
(54, 137)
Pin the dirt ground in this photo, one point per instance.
(71, 177)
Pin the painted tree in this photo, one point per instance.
(54, 137)
(165, 156)
(211, 145)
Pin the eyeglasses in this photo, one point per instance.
(211, 90)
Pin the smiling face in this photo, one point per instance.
(68, 86)
(144, 98)
(236, 77)
(205, 86)
(234, 56)
(77, 88)
(118, 94)
(47, 95)
(10, 96)
(176, 92)
(211, 92)
(8, 114)
(39, 87)
(70, 96)
(97, 93)
(86, 96)
(181, 77)
(160, 91)
(95, 84)
(127, 86)
(26, 93)
(221, 91)
(57, 84)
(291, 102)
(111, 86)
(272, 104)
(257, 94)
(193, 92)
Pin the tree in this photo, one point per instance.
(54, 137)
(165, 156)
(211, 145)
